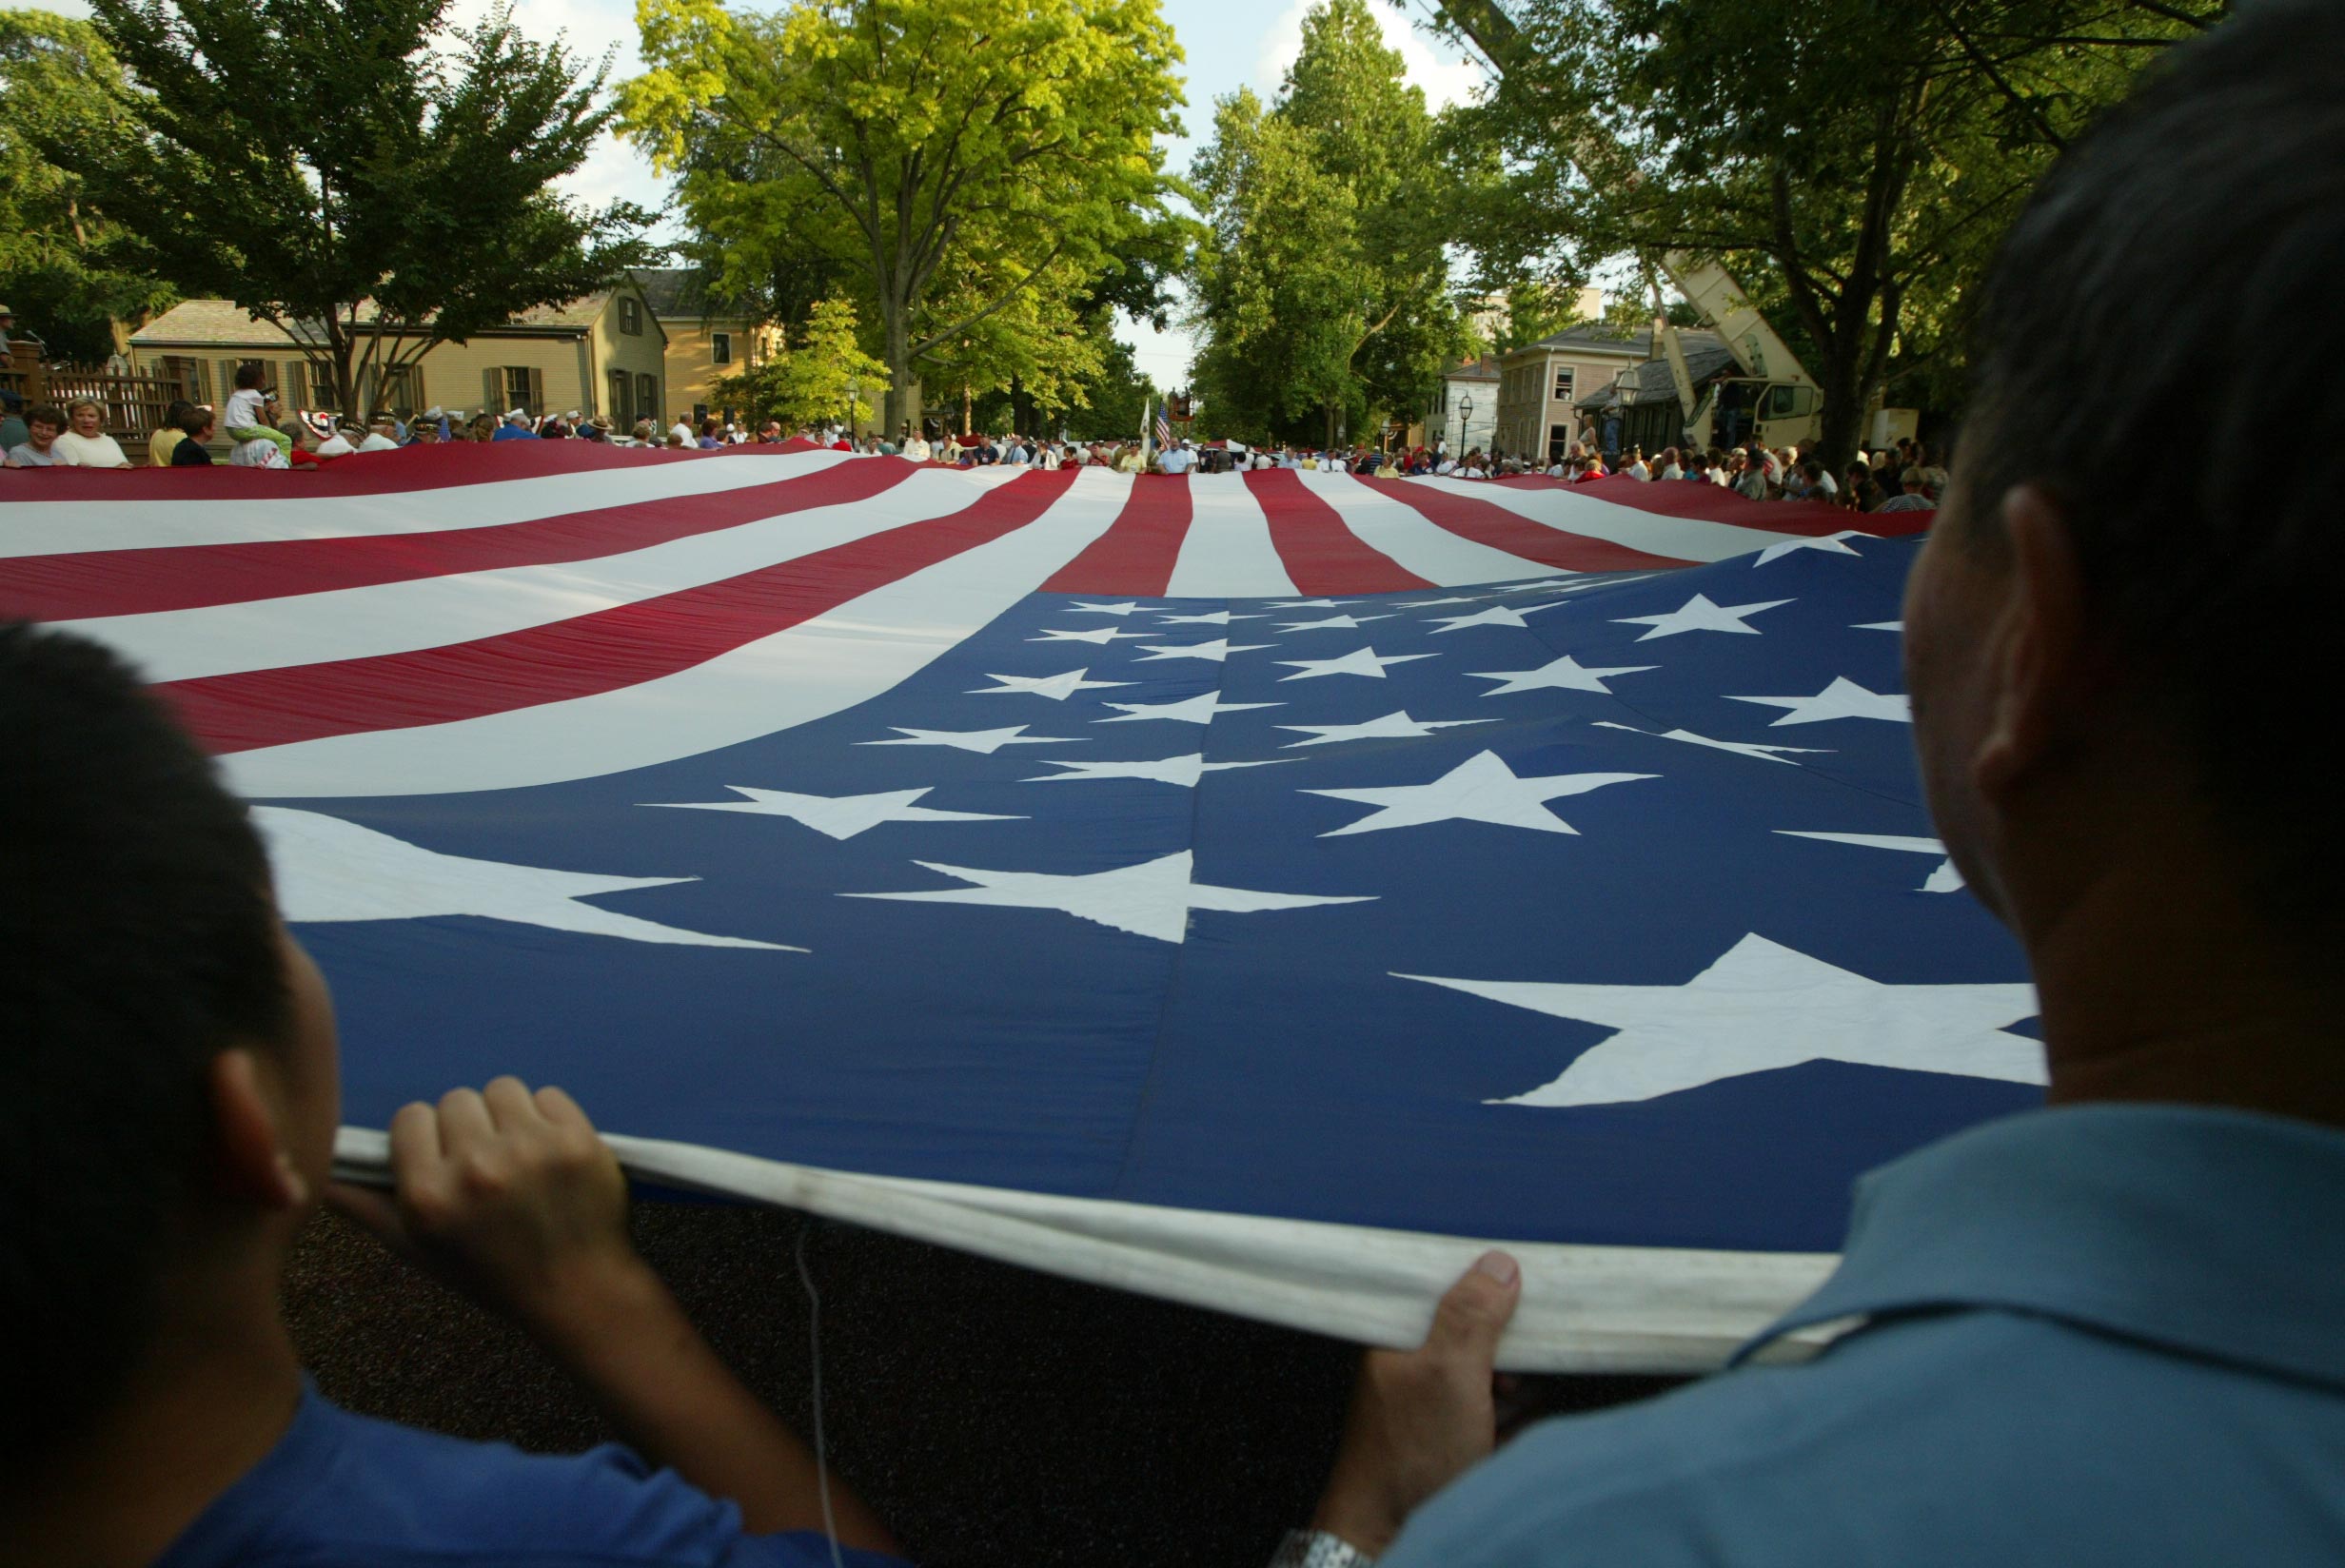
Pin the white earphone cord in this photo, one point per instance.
(814, 1338)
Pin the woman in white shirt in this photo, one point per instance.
(84, 444)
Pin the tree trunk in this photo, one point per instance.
(903, 400)
(1845, 396)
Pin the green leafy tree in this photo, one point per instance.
(1853, 169)
(975, 164)
(61, 264)
(1325, 288)
(367, 177)
(826, 375)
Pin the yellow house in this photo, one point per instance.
(707, 337)
(604, 353)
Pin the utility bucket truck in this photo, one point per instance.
(1774, 400)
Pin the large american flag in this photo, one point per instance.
(1259, 889)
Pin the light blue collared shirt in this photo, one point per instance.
(2105, 1335)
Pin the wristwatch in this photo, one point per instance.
(1318, 1548)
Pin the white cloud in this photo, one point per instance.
(1446, 73)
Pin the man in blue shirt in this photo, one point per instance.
(2110, 1332)
(515, 426)
(172, 1092)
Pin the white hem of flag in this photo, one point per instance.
(1584, 1309)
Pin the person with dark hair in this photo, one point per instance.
(172, 1092)
(249, 416)
(168, 434)
(44, 423)
(195, 427)
(2111, 1331)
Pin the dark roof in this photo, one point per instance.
(1483, 369)
(1651, 381)
(681, 293)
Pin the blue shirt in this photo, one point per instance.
(2106, 1335)
(514, 432)
(345, 1489)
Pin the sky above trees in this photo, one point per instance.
(1230, 44)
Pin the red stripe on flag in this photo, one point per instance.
(1134, 557)
(1486, 522)
(127, 582)
(1322, 556)
(1708, 502)
(438, 466)
(587, 655)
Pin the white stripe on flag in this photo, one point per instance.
(848, 656)
(1414, 543)
(1227, 552)
(1656, 532)
(396, 617)
(66, 527)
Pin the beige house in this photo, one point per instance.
(604, 353)
(1542, 383)
(707, 339)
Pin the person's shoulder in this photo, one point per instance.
(1898, 1445)
(344, 1487)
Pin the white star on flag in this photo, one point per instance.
(1184, 771)
(1102, 635)
(1308, 603)
(1562, 675)
(1218, 618)
(1333, 623)
(1829, 543)
(1944, 879)
(1698, 614)
(1535, 586)
(1150, 899)
(1360, 661)
(1200, 709)
(1763, 1005)
(1216, 651)
(1429, 604)
(1843, 698)
(836, 815)
(1057, 688)
(1079, 608)
(1481, 788)
(984, 741)
(1397, 725)
(329, 870)
(1896, 626)
(1497, 614)
(1747, 747)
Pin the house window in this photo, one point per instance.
(647, 397)
(1558, 439)
(623, 401)
(187, 372)
(720, 347)
(630, 314)
(397, 390)
(1563, 383)
(512, 386)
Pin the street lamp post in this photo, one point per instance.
(1465, 417)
